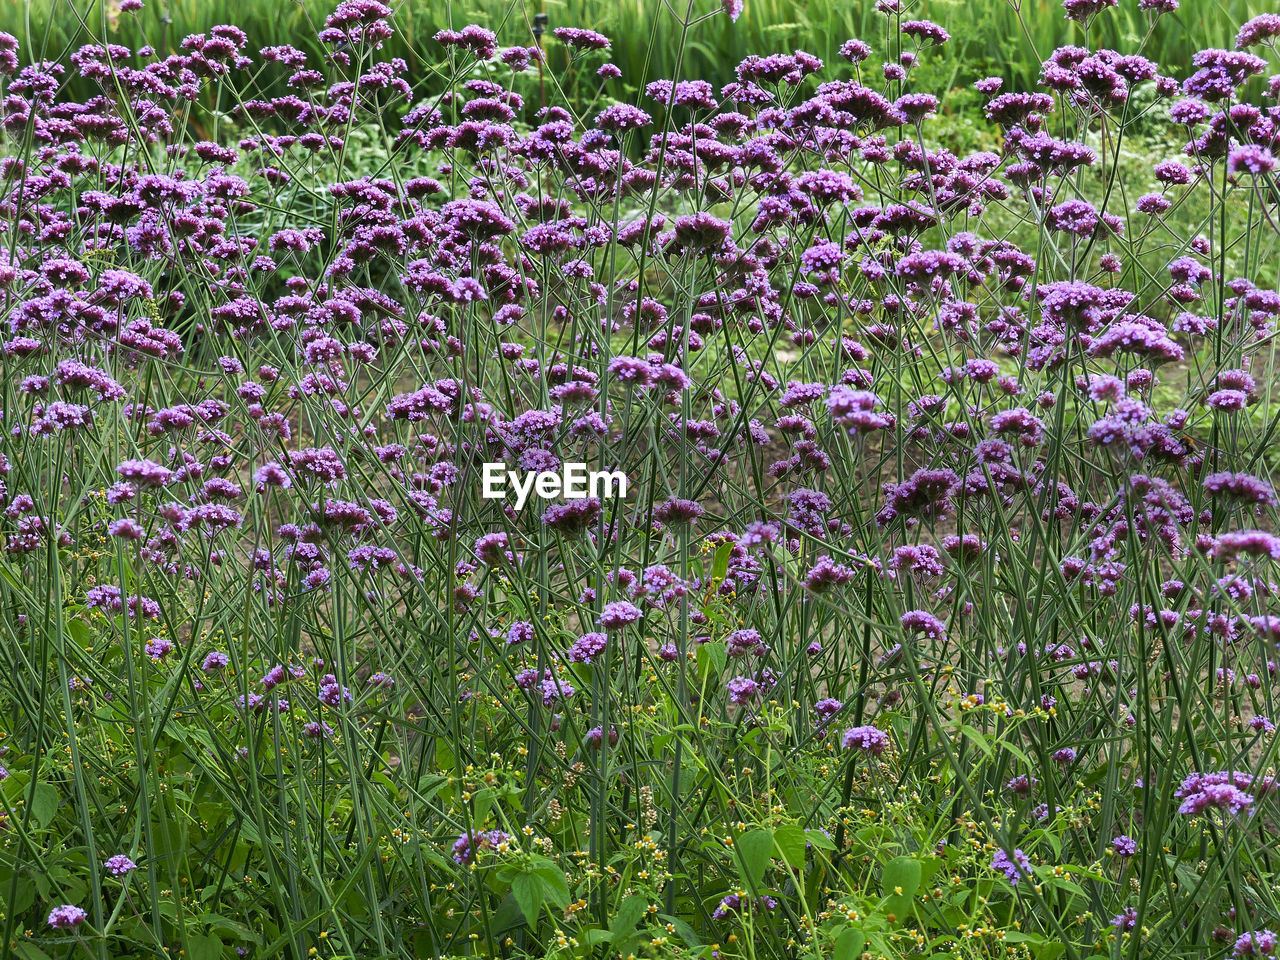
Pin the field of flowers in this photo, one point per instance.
(938, 617)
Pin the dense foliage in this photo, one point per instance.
(938, 618)
(988, 37)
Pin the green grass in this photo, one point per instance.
(990, 37)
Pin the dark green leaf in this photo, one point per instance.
(204, 947)
(630, 912)
(849, 944)
(527, 889)
(755, 848)
(791, 839)
(901, 878)
(44, 804)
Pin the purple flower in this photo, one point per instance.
(577, 38)
(315, 730)
(595, 737)
(1263, 945)
(619, 614)
(1241, 488)
(1083, 10)
(742, 690)
(66, 917)
(736, 902)
(1228, 791)
(925, 494)
(1246, 543)
(914, 107)
(159, 648)
(923, 622)
(119, 865)
(1251, 159)
(699, 232)
(469, 844)
(854, 51)
(621, 117)
(1125, 921)
(1219, 73)
(1012, 867)
(1264, 28)
(676, 512)
(866, 739)
(587, 648)
(924, 31)
(827, 574)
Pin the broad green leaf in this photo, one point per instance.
(44, 804)
(685, 931)
(721, 564)
(849, 944)
(819, 839)
(80, 632)
(226, 925)
(711, 659)
(630, 912)
(204, 947)
(508, 916)
(554, 887)
(527, 889)
(979, 740)
(901, 878)
(755, 848)
(791, 839)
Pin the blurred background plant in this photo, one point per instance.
(988, 36)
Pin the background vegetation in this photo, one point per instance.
(988, 37)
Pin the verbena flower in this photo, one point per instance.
(866, 739)
(1014, 868)
(67, 917)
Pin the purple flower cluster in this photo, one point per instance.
(896, 412)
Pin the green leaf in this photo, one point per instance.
(903, 873)
(80, 632)
(44, 804)
(901, 879)
(685, 931)
(23, 897)
(849, 944)
(204, 947)
(233, 928)
(819, 840)
(755, 848)
(1016, 751)
(720, 566)
(527, 889)
(791, 839)
(711, 659)
(979, 740)
(554, 887)
(507, 917)
(630, 912)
